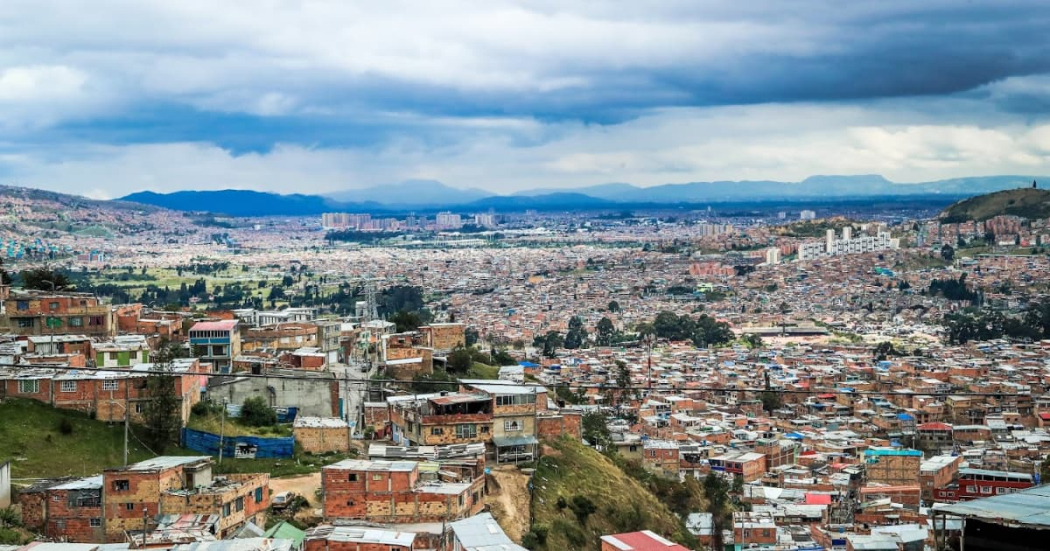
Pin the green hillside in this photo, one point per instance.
(571, 479)
(32, 438)
(1024, 202)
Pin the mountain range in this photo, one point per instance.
(423, 195)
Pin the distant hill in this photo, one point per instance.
(412, 193)
(424, 195)
(550, 201)
(239, 202)
(1024, 202)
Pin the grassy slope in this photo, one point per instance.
(214, 425)
(1026, 202)
(623, 504)
(30, 437)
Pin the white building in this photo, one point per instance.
(772, 256)
(831, 246)
(448, 221)
(807, 215)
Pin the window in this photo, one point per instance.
(110, 385)
(26, 322)
(971, 489)
(139, 407)
(747, 534)
(96, 320)
(765, 533)
(121, 485)
(633, 448)
(226, 510)
(95, 523)
(69, 386)
(52, 306)
(129, 506)
(352, 477)
(76, 322)
(652, 453)
(1000, 490)
(986, 489)
(466, 431)
(484, 429)
(515, 399)
(240, 504)
(436, 431)
(259, 494)
(29, 387)
(112, 355)
(376, 477)
(56, 498)
(23, 305)
(512, 426)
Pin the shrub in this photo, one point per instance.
(65, 426)
(582, 507)
(256, 412)
(200, 408)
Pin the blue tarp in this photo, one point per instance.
(238, 446)
(528, 364)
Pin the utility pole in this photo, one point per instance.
(145, 525)
(222, 430)
(127, 413)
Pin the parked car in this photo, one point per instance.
(282, 500)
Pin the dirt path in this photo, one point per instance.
(305, 485)
(509, 501)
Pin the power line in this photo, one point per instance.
(498, 382)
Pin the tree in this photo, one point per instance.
(256, 412)
(43, 279)
(160, 416)
(605, 332)
(614, 306)
(460, 360)
(576, 337)
(771, 400)
(582, 507)
(716, 490)
(753, 340)
(5, 278)
(947, 253)
(470, 336)
(406, 321)
(549, 343)
(884, 350)
(596, 431)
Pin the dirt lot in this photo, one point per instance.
(305, 485)
(508, 500)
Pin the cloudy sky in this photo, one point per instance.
(112, 96)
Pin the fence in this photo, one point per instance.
(238, 447)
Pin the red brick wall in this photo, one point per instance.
(71, 524)
(33, 510)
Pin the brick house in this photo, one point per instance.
(321, 434)
(177, 485)
(444, 336)
(65, 509)
(660, 457)
(444, 418)
(48, 313)
(394, 492)
(106, 394)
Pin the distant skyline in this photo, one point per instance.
(506, 96)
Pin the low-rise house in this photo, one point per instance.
(396, 492)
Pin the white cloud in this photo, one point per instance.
(674, 145)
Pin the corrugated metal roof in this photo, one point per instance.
(1029, 508)
(481, 533)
